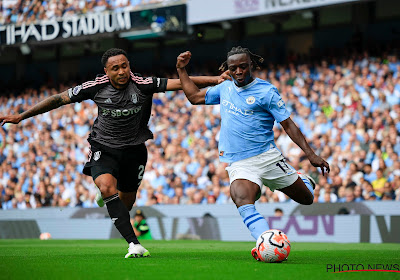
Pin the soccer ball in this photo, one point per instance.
(273, 246)
(45, 236)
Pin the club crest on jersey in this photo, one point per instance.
(134, 98)
(250, 100)
(97, 155)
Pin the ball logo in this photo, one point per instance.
(134, 98)
(97, 155)
(250, 100)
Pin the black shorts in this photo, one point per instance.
(126, 165)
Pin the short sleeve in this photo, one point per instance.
(213, 95)
(277, 106)
(149, 85)
(88, 89)
(78, 93)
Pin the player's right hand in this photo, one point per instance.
(10, 119)
(183, 59)
(317, 161)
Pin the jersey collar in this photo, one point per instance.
(246, 86)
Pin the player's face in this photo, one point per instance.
(118, 70)
(239, 66)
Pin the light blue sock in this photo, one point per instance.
(253, 220)
(308, 184)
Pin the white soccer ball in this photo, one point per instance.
(273, 246)
(45, 236)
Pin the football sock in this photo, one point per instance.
(253, 220)
(119, 214)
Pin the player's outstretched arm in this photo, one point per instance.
(295, 134)
(192, 92)
(199, 81)
(48, 104)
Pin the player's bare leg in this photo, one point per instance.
(299, 192)
(128, 198)
(119, 214)
(244, 193)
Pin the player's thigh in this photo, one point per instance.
(299, 192)
(244, 192)
(102, 165)
(245, 182)
(132, 168)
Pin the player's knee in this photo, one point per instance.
(243, 199)
(107, 189)
(308, 200)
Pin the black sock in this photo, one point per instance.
(120, 217)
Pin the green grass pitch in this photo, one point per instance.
(104, 259)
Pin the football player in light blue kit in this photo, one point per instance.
(249, 107)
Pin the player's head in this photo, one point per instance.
(116, 66)
(240, 62)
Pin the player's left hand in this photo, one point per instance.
(317, 161)
(183, 59)
(224, 76)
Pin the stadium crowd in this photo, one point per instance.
(32, 11)
(349, 110)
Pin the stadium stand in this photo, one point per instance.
(33, 11)
(349, 109)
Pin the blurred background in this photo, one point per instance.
(335, 63)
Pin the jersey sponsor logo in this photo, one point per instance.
(158, 82)
(96, 155)
(134, 98)
(233, 109)
(280, 103)
(119, 112)
(114, 220)
(250, 100)
(108, 100)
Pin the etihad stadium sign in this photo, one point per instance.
(91, 24)
(70, 27)
(203, 11)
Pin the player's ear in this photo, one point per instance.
(105, 70)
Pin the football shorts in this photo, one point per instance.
(126, 165)
(269, 168)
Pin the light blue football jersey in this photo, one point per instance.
(247, 117)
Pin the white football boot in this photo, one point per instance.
(136, 251)
(98, 198)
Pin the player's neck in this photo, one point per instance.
(247, 81)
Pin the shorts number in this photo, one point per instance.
(140, 175)
(283, 167)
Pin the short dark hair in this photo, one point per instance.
(112, 52)
(255, 58)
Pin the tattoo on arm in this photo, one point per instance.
(48, 104)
